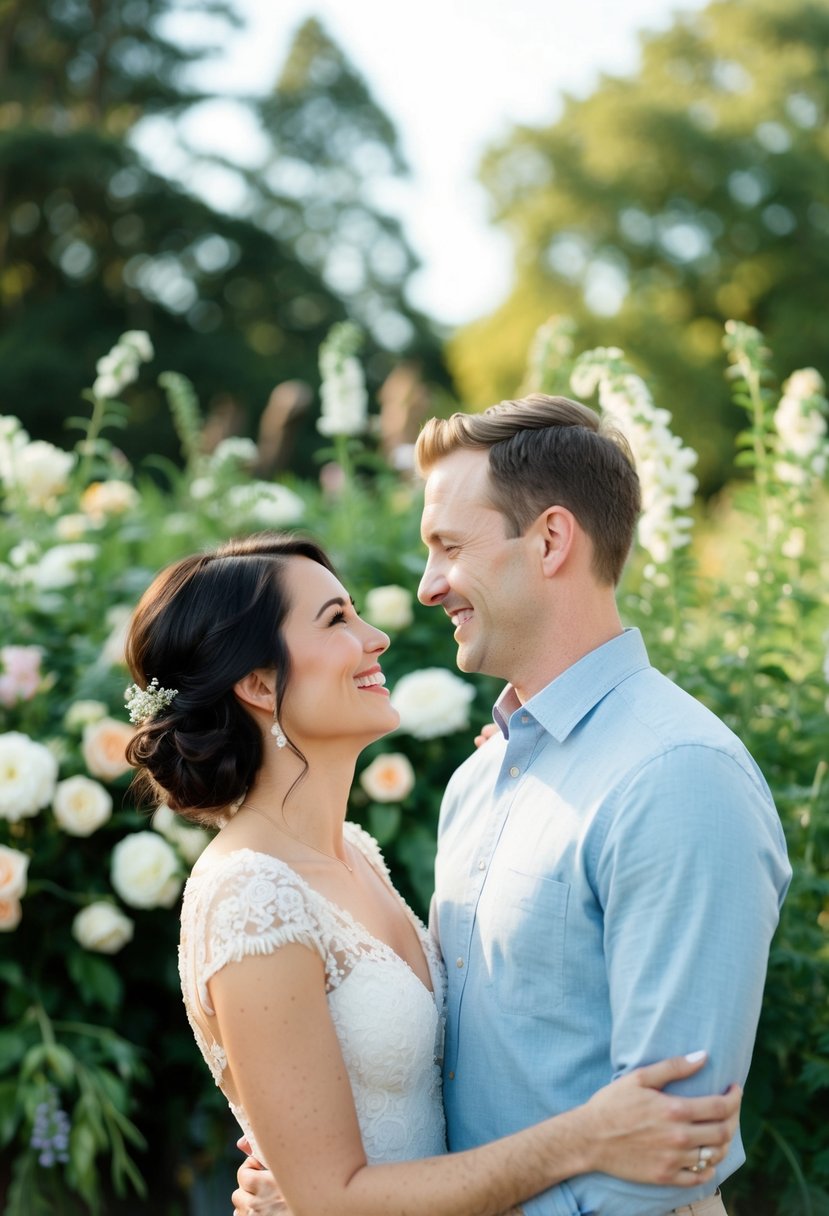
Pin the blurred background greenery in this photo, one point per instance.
(693, 191)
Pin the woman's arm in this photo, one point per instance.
(285, 1063)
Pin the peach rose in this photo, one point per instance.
(14, 866)
(389, 778)
(10, 914)
(104, 746)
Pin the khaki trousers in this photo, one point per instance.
(712, 1206)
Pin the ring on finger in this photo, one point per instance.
(704, 1157)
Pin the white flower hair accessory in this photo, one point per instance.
(146, 704)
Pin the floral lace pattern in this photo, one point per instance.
(389, 1025)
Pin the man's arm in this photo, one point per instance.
(691, 871)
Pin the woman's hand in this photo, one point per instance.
(487, 731)
(643, 1135)
(258, 1193)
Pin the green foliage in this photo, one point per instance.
(665, 203)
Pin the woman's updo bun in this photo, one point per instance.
(202, 625)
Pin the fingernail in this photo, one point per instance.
(693, 1056)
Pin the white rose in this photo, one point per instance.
(145, 871)
(432, 702)
(10, 914)
(389, 607)
(112, 651)
(389, 778)
(104, 498)
(28, 772)
(102, 927)
(72, 527)
(14, 867)
(190, 842)
(81, 713)
(58, 566)
(103, 748)
(81, 806)
(13, 439)
(41, 472)
(264, 503)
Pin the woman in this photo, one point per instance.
(313, 992)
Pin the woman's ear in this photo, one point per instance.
(257, 689)
(557, 532)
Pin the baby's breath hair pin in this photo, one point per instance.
(146, 704)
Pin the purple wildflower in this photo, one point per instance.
(50, 1132)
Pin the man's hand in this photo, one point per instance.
(258, 1193)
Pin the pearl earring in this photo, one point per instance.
(276, 731)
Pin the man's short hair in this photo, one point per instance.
(544, 452)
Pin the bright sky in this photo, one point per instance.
(452, 75)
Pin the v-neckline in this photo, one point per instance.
(348, 917)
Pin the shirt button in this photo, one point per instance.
(459, 963)
(481, 865)
(514, 771)
(451, 1076)
(525, 718)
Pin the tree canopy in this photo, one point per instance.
(694, 191)
(94, 240)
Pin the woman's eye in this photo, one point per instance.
(338, 618)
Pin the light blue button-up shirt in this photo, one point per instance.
(609, 876)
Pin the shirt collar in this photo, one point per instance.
(563, 703)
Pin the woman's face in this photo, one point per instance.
(336, 686)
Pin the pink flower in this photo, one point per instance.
(20, 677)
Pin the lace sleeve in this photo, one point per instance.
(249, 904)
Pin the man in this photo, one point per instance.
(610, 866)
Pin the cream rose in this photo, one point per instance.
(81, 805)
(118, 619)
(28, 772)
(190, 842)
(81, 713)
(145, 871)
(264, 503)
(389, 778)
(10, 914)
(432, 702)
(103, 748)
(14, 868)
(102, 927)
(389, 607)
(104, 498)
(41, 471)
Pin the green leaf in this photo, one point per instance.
(9, 1111)
(96, 979)
(383, 822)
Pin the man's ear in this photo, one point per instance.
(257, 689)
(557, 529)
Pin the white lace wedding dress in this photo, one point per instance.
(390, 1026)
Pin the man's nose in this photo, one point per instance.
(433, 587)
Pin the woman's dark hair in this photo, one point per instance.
(202, 625)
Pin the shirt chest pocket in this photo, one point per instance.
(527, 931)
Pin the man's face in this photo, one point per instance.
(485, 580)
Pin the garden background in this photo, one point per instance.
(171, 374)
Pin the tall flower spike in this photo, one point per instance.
(146, 704)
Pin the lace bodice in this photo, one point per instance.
(389, 1025)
